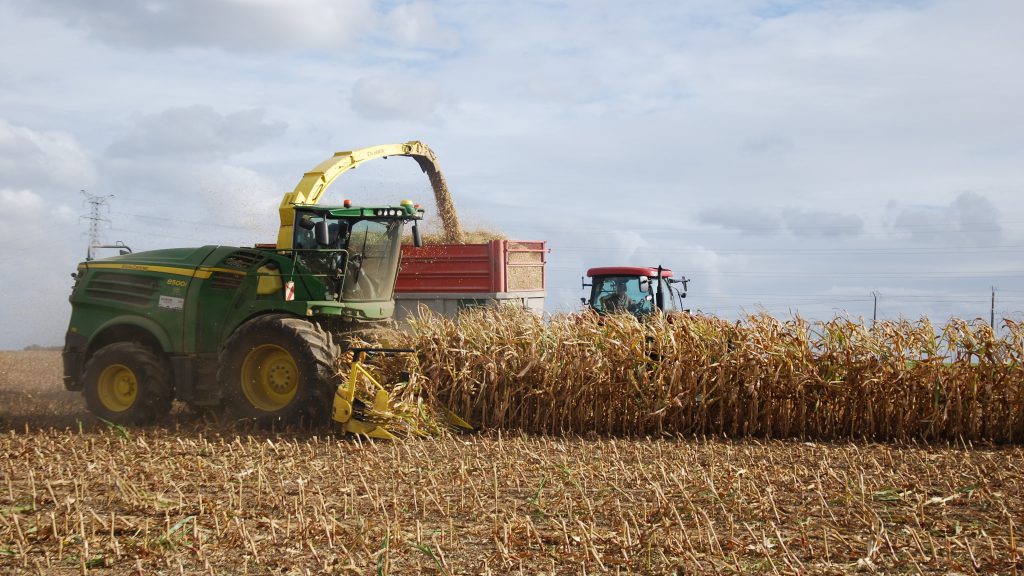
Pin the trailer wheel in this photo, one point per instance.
(127, 383)
(278, 368)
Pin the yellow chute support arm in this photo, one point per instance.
(314, 183)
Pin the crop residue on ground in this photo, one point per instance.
(194, 497)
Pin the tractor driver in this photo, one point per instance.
(617, 301)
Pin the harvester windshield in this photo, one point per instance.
(373, 249)
(356, 258)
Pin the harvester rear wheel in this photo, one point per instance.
(127, 383)
(278, 368)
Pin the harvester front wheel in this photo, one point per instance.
(278, 368)
(127, 383)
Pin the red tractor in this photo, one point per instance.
(638, 290)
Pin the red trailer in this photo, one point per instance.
(447, 278)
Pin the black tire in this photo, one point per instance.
(127, 383)
(261, 384)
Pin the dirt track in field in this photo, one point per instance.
(32, 393)
(195, 497)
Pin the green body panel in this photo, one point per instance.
(190, 300)
(127, 290)
(188, 313)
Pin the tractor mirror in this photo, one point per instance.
(644, 284)
(323, 235)
(417, 240)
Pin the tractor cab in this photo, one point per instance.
(638, 290)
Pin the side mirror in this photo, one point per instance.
(417, 240)
(644, 284)
(339, 234)
(323, 234)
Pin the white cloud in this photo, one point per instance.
(16, 204)
(415, 25)
(746, 219)
(35, 159)
(396, 99)
(821, 224)
(245, 25)
(27, 220)
(197, 132)
(970, 218)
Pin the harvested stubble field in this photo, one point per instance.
(189, 496)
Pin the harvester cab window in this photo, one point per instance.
(358, 259)
(373, 253)
(319, 246)
(621, 294)
(306, 233)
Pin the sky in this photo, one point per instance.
(786, 156)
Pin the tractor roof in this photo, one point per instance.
(628, 271)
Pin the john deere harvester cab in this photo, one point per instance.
(254, 330)
(349, 254)
(637, 290)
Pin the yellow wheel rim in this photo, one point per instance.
(270, 377)
(118, 388)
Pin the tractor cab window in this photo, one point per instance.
(669, 296)
(622, 294)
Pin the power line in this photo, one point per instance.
(827, 275)
(775, 229)
(183, 221)
(937, 296)
(940, 250)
